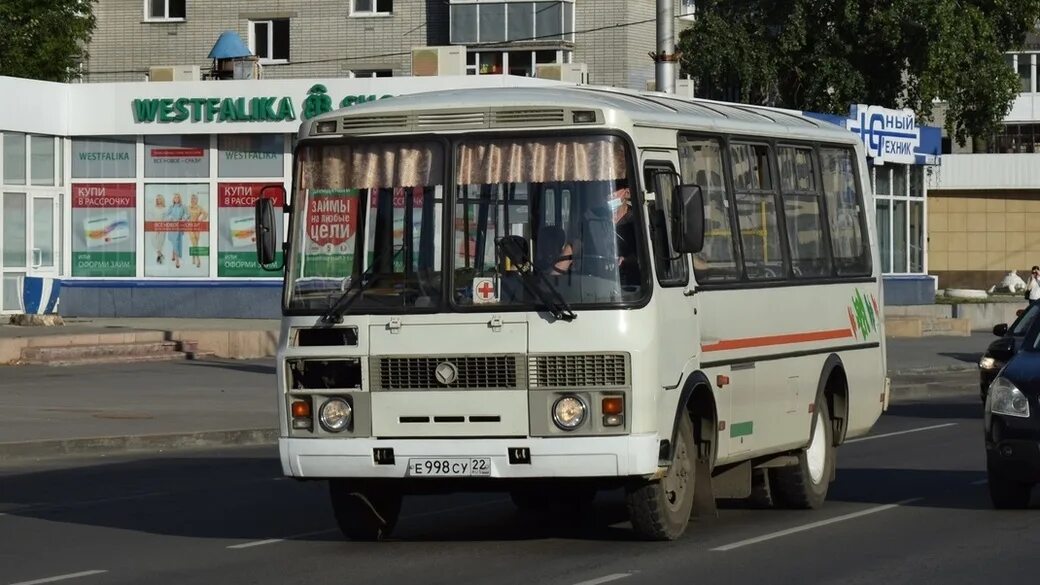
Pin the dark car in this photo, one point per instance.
(1000, 351)
(1012, 425)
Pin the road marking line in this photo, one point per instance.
(980, 482)
(274, 540)
(813, 525)
(872, 437)
(61, 577)
(605, 579)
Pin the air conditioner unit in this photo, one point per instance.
(433, 61)
(175, 73)
(569, 72)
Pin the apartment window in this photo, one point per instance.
(165, 9)
(269, 40)
(495, 22)
(372, 72)
(521, 63)
(688, 9)
(372, 7)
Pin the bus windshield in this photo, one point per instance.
(358, 201)
(374, 214)
(566, 200)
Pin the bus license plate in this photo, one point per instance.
(450, 467)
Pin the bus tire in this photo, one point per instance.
(364, 514)
(660, 509)
(805, 485)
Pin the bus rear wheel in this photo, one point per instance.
(364, 513)
(660, 509)
(805, 485)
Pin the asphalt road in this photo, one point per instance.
(909, 506)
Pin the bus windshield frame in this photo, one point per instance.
(356, 198)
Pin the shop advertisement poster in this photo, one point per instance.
(236, 227)
(176, 230)
(103, 230)
(332, 216)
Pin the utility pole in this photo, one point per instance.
(665, 56)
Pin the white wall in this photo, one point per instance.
(1026, 108)
(987, 171)
(39, 107)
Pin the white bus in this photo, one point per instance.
(554, 291)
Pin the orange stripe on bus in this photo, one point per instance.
(749, 342)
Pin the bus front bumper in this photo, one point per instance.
(570, 457)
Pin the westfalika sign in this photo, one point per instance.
(239, 109)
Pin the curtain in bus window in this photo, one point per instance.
(375, 166)
(700, 163)
(541, 161)
(845, 212)
(804, 213)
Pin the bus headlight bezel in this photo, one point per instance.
(575, 418)
(336, 422)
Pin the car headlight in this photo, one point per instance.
(568, 413)
(335, 415)
(988, 363)
(1005, 398)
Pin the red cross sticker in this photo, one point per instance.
(484, 289)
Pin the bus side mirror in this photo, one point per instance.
(266, 246)
(688, 219)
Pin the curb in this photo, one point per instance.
(924, 391)
(931, 371)
(131, 443)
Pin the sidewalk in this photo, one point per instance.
(222, 338)
(938, 354)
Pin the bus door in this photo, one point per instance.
(678, 339)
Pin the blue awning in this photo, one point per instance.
(229, 46)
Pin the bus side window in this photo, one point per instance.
(672, 267)
(845, 212)
(701, 163)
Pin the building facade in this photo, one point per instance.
(374, 38)
(985, 199)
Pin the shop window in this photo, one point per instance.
(104, 158)
(884, 228)
(104, 229)
(250, 156)
(176, 157)
(14, 158)
(916, 241)
(236, 232)
(176, 230)
(165, 10)
(269, 40)
(41, 149)
(372, 7)
(899, 235)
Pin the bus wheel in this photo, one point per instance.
(805, 485)
(660, 509)
(364, 514)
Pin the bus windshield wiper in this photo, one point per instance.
(515, 249)
(354, 290)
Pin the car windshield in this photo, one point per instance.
(1021, 325)
(566, 202)
(376, 207)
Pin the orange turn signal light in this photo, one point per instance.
(301, 409)
(613, 405)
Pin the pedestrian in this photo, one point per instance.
(1033, 286)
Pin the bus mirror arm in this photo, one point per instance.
(688, 219)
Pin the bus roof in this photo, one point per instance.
(443, 110)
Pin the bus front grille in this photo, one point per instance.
(483, 372)
(602, 370)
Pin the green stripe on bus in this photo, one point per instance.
(742, 429)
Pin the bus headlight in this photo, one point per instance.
(1005, 398)
(568, 412)
(335, 415)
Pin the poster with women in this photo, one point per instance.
(176, 230)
